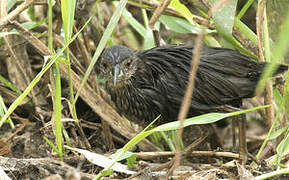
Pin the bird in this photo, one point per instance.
(147, 83)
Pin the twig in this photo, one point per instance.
(12, 15)
(83, 50)
(266, 150)
(158, 12)
(189, 91)
(154, 155)
(268, 99)
(243, 150)
(16, 132)
(187, 97)
(156, 168)
(108, 135)
(33, 40)
(198, 141)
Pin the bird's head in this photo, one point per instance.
(117, 64)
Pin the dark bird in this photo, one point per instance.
(145, 84)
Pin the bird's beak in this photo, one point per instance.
(116, 71)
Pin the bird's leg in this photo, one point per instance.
(234, 124)
(218, 140)
(243, 151)
(203, 136)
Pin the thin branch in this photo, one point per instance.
(158, 12)
(155, 155)
(12, 15)
(187, 97)
(268, 88)
(196, 54)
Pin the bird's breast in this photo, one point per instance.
(135, 102)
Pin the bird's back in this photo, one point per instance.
(224, 77)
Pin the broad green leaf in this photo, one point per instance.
(224, 17)
(183, 10)
(57, 110)
(181, 25)
(149, 41)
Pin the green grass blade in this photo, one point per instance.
(246, 31)
(57, 112)
(286, 94)
(149, 40)
(51, 144)
(67, 12)
(10, 85)
(132, 21)
(202, 119)
(272, 174)
(244, 9)
(3, 110)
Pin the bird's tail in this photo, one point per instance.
(281, 68)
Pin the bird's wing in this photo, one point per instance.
(223, 76)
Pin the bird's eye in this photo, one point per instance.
(104, 65)
(128, 63)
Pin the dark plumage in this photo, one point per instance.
(145, 84)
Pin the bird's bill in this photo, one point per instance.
(116, 71)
